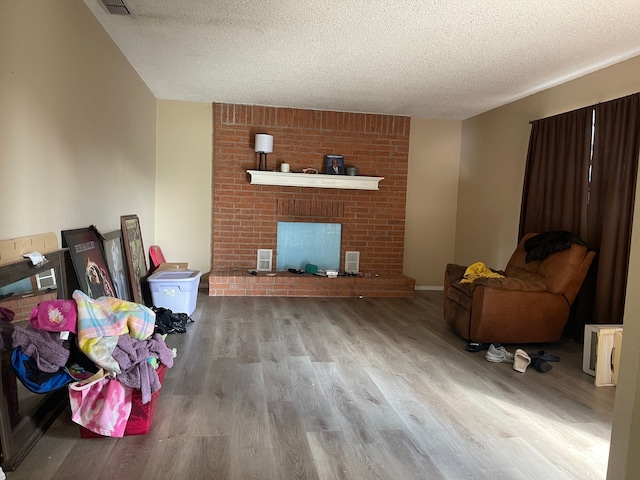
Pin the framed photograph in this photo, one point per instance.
(334, 164)
(134, 254)
(88, 261)
(114, 255)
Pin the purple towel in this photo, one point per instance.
(132, 355)
(46, 348)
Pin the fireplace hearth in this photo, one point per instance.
(286, 284)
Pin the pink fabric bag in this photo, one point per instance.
(101, 404)
(55, 316)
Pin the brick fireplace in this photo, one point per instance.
(245, 216)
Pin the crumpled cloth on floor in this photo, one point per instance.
(46, 348)
(133, 358)
(478, 270)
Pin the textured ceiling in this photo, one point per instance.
(424, 58)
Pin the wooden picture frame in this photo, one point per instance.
(134, 254)
(89, 264)
(114, 255)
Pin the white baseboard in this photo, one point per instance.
(427, 287)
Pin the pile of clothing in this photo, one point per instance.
(168, 321)
(45, 355)
(104, 349)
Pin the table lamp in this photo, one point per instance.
(264, 145)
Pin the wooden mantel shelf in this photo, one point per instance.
(317, 180)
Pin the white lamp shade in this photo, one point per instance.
(264, 143)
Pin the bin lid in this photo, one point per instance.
(174, 275)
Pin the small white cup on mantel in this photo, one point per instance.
(284, 167)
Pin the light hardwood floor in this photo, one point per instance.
(345, 388)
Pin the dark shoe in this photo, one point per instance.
(540, 365)
(476, 347)
(546, 356)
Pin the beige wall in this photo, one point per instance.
(494, 149)
(432, 195)
(77, 125)
(183, 182)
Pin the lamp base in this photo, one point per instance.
(262, 156)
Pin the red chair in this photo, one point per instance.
(156, 257)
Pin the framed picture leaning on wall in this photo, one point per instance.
(87, 257)
(114, 255)
(134, 254)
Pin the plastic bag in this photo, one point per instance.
(101, 404)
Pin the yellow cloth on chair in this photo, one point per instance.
(478, 270)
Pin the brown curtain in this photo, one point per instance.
(612, 193)
(592, 195)
(556, 175)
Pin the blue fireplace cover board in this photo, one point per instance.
(300, 243)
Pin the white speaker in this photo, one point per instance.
(265, 260)
(352, 262)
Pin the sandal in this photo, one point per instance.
(546, 356)
(521, 360)
(476, 347)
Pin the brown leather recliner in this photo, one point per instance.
(530, 305)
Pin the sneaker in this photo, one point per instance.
(497, 353)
